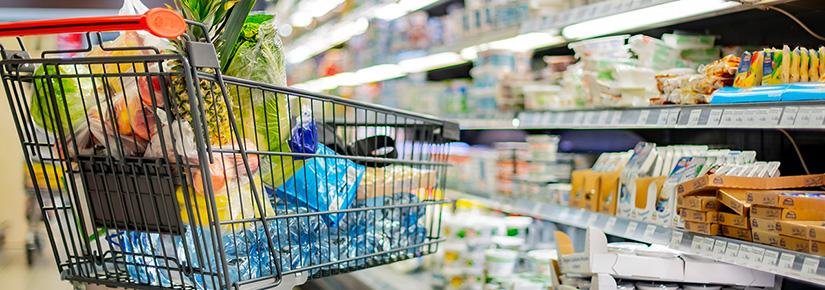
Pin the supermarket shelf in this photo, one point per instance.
(782, 115)
(797, 265)
(385, 278)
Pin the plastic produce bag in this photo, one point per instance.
(178, 138)
(382, 181)
(234, 198)
(260, 58)
(323, 184)
(141, 250)
(73, 97)
(304, 136)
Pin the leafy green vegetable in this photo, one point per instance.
(68, 90)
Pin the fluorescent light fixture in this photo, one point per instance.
(644, 17)
(305, 48)
(522, 42)
(378, 73)
(429, 62)
(300, 19)
(396, 10)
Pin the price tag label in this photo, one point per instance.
(786, 261)
(750, 117)
(708, 246)
(762, 117)
(715, 117)
(631, 229)
(719, 248)
(676, 239)
(789, 116)
(592, 219)
(698, 244)
(616, 117)
(757, 253)
(643, 115)
(739, 117)
(804, 116)
(611, 222)
(578, 118)
(673, 117)
(650, 233)
(770, 258)
(732, 251)
(727, 117)
(745, 254)
(817, 117)
(662, 119)
(604, 117)
(693, 118)
(774, 116)
(810, 266)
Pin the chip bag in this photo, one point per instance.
(795, 59)
(804, 63)
(813, 68)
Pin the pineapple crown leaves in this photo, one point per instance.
(223, 19)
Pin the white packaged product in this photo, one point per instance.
(499, 263)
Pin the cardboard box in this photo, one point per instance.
(810, 230)
(793, 229)
(577, 187)
(765, 225)
(817, 248)
(733, 220)
(647, 190)
(766, 212)
(590, 191)
(608, 187)
(735, 199)
(767, 238)
(698, 216)
(736, 233)
(711, 229)
(700, 203)
(713, 181)
(799, 199)
(794, 244)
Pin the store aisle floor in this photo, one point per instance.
(15, 274)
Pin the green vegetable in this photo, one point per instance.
(68, 90)
(259, 57)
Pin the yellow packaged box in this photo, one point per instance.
(767, 238)
(796, 229)
(766, 212)
(608, 187)
(701, 203)
(733, 220)
(713, 181)
(736, 233)
(735, 199)
(590, 191)
(794, 244)
(702, 228)
(764, 225)
(806, 214)
(577, 187)
(698, 216)
(787, 198)
(817, 248)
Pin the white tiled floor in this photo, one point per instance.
(15, 274)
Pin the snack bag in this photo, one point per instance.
(786, 64)
(813, 70)
(755, 71)
(772, 68)
(794, 73)
(821, 61)
(804, 62)
(742, 71)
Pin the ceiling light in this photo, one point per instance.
(379, 73)
(430, 62)
(644, 17)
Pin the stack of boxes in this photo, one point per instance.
(757, 209)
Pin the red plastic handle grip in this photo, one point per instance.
(161, 22)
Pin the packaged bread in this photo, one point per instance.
(786, 64)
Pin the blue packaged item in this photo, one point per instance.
(323, 184)
(727, 95)
(140, 252)
(304, 138)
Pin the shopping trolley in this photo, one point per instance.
(298, 185)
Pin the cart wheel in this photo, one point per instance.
(29, 256)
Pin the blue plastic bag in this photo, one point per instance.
(304, 138)
(322, 184)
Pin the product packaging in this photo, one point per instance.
(711, 229)
(734, 199)
(733, 220)
(765, 225)
(736, 232)
(767, 238)
(699, 216)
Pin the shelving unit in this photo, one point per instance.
(761, 257)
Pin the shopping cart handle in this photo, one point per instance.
(161, 22)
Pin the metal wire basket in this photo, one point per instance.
(184, 178)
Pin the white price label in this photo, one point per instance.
(763, 117)
(789, 116)
(757, 253)
(817, 116)
(732, 251)
(673, 117)
(708, 246)
(650, 232)
(592, 118)
(719, 248)
(786, 261)
(611, 222)
(774, 116)
(662, 119)
(693, 118)
(578, 118)
(745, 254)
(739, 117)
(643, 115)
(676, 239)
(616, 117)
(727, 117)
(804, 116)
(592, 219)
(715, 117)
(750, 117)
(604, 117)
(810, 266)
(558, 119)
(769, 258)
(631, 229)
(698, 244)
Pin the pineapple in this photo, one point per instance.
(221, 18)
